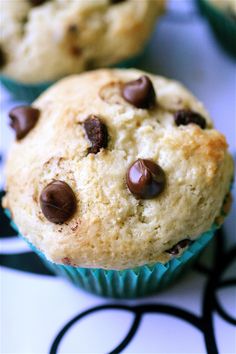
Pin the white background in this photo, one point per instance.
(34, 308)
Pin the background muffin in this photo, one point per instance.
(42, 41)
(221, 15)
(138, 168)
(229, 6)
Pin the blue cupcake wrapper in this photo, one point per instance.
(24, 92)
(129, 283)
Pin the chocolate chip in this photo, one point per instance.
(180, 245)
(73, 29)
(145, 179)
(66, 261)
(97, 133)
(37, 2)
(58, 202)
(185, 117)
(140, 93)
(90, 64)
(75, 51)
(23, 119)
(116, 1)
(24, 20)
(2, 58)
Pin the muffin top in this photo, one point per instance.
(228, 6)
(115, 169)
(44, 40)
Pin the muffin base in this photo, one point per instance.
(223, 27)
(130, 283)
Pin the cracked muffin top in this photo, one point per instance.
(45, 40)
(115, 169)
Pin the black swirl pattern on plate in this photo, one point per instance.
(29, 262)
(23, 261)
(5, 228)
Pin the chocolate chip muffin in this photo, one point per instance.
(221, 15)
(115, 169)
(45, 40)
(228, 6)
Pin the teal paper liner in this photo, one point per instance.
(130, 283)
(29, 92)
(222, 25)
(24, 92)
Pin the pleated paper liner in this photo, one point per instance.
(222, 24)
(22, 91)
(129, 283)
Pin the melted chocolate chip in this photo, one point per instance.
(185, 117)
(145, 179)
(180, 245)
(76, 51)
(66, 261)
(2, 58)
(23, 119)
(58, 202)
(37, 2)
(97, 134)
(140, 93)
(73, 29)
